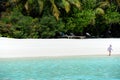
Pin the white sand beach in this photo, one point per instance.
(10, 48)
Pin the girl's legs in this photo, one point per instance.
(109, 53)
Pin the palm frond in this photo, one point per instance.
(99, 11)
(26, 6)
(56, 12)
(118, 2)
(66, 5)
(41, 5)
(104, 4)
(76, 3)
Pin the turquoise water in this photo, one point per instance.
(69, 68)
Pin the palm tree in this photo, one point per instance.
(67, 5)
(108, 10)
(31, 5)
(37, 6)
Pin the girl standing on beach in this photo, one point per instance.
(110, 49)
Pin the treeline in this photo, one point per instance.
(54, 18)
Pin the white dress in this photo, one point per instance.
(109, 49)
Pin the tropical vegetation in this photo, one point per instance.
(52, 18)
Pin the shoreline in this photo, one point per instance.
(59, 57)
(33, 48)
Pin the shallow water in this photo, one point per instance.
(67, 68)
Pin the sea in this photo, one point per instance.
(61, 68)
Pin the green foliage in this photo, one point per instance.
(89, 4)
(50, 26)
(112, 17)
(80, 20)
(47, 18)
(19, 26)
(99, 12)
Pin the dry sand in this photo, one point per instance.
(12, 48)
